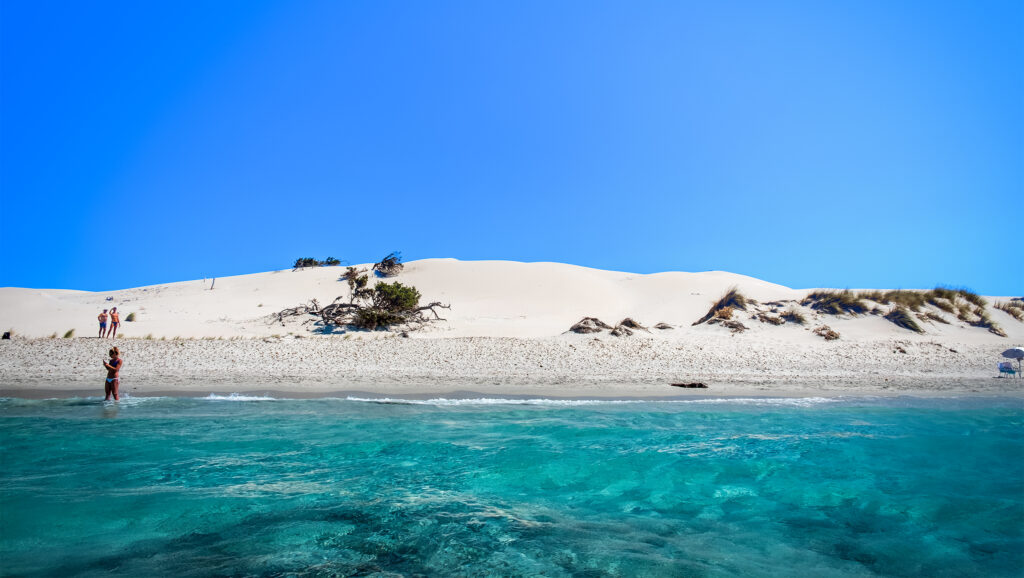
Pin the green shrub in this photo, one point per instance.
(131, 317)
(69, 334)
(331, 262)
(372, 319)
(303, 262)
(395, 297)
(902, 318)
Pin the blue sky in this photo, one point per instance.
(844, 144)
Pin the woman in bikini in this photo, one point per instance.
(113, 374)
(115, 322)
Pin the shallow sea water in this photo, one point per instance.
(330, 487)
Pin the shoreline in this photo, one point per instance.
(624, 393)
(568, 367)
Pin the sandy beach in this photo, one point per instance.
(505, 334)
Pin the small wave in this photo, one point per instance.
(441, 401)
(239, 397)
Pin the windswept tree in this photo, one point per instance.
(390, 266)
(381, 307)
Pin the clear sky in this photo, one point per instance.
(842, 144)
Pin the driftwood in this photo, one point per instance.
(342, 314)
(827, 332)
(736, 326)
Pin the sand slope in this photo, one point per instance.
(506, 333)
(488, 298)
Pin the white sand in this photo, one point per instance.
(503, 335)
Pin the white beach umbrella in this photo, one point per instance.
(1015, 353)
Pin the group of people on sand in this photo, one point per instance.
(113, 366)
(115, 322)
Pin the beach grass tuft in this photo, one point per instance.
(794, 316)
(732, 299)
(929, 316)
(985, 322)
(902, 317)
(943, 304)
(1014, 308)
(972, 298)
(835, 302)
(769, 318)
(69, 334)
(131, 317)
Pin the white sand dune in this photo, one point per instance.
(513, 315)
(488, 298)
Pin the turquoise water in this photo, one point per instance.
(330, 487)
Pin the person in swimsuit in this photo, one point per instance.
(113, 374)
(103, 323)
(115, 321)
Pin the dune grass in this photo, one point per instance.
(835, 302)
(69, 334)
(1014, 308)
(732, 299)
(984, 321)
(794, 316)
(902, 317)
(769, 318)
(929, 316)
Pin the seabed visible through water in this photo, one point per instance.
(252, 485)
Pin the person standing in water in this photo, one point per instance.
(113, 374)
(103, 323)
(115, 321)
